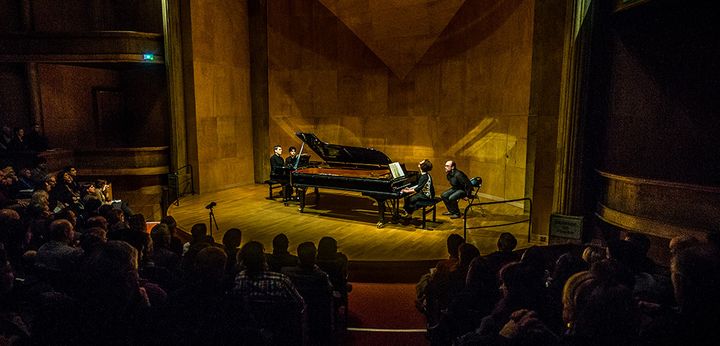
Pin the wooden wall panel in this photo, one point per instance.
(222, 95)
(67, 103)
(11, 13)
(102, 15)
(14, 96)
(147, 105)
(467, 99)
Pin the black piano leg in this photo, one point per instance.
(301, 198)
(395, 206)
(381, 213)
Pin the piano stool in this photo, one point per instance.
(272, 185)
(428, 206)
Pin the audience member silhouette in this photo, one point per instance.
(280, 257)
(231, 243)
(201, 311)
(315, 287)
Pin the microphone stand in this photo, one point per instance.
(212, 219)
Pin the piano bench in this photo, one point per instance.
(272, 185)
(428, 206)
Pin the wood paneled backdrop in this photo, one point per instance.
(466, 98)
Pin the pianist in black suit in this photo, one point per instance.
(290, 160)
(277, 165)
(460, 187)
(276, 161)
(424, 190)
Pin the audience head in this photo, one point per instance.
(64, 178)
(210, 264)
(252, 256)
(49, 182)
(100, 184)
(141, 241)
(570, 289)
(640, 241)
(280, 243)
(115, 216)
(161, 236)
(467, 252)
(594, 253)
(92, 205)
(453, 244)
(695, 274)
(506, 242)
(112, 273)
(232, 238)
(40, 197)
(137, 223)
(681, 242)
(198, 232)
(306, 254)
(62, 230)
(92, 238)
(626, 253)
(518, 282)
(605, 313)
(565, 266)
(97, 221)
(327, 248)
(170, 222)
(71, 170)
(105, 210)
(67, 214)
(610, 270)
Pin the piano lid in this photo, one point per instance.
(336, 153)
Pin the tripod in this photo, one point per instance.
(212, 219)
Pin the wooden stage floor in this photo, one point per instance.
(346, 216)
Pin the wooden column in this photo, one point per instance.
(547, 59)
(257, 11)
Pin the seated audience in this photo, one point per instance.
(271, 297)
(335, 264)
(176, 245)
(231, 243)
(200, 311)
(315, 288)
(280, 257)
(505, 245)
(439, 273)
(59, 254)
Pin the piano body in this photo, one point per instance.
(364, 170)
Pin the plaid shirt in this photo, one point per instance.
(267, 285)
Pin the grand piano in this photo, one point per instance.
(364, 170)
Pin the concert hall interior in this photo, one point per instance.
(589, 123)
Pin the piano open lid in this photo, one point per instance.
(342, 154)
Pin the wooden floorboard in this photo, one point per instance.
(346, 216)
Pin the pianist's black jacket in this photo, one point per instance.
(459, 181)
(276, 164)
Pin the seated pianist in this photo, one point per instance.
(424, 190)
(290, 160)
(278, 171)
